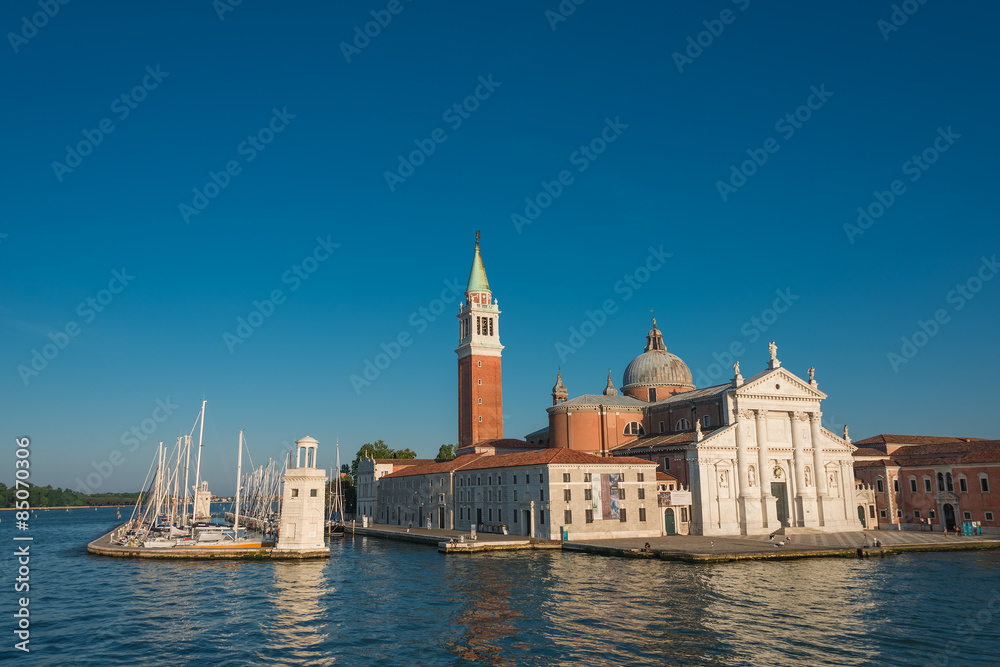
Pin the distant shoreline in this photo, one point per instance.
(64, 507)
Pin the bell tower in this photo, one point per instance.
(480, 391)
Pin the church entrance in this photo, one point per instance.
(861, 516)
(949, 516)
(669, 520)
(779, 491)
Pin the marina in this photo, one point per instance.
(386, 601)
(283, 512)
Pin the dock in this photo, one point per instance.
(697, 548)
(102, 546)
(683, 548)
(454, 541)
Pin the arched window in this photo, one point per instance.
(634, 428)
(947, 479)
(940, 481)
(682, 425)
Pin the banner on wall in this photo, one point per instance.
(611, 500)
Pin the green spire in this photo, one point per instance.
(477, 277)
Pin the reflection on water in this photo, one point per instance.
(297, 629)
(388, 603)
(485, 617)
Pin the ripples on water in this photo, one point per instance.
(387, 603)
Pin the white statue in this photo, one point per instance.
(736, 368)
(774, 350)
(752, 476)
(812, 372)
(807, 475)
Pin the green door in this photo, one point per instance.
(778, 490)
(671, 530)
(861, 516)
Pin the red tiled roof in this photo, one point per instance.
(664, 477)
(664, 439)
(551, 456)
(954, 452)
(960, 453)
(405, 462)
(868, 451)
(434, 467)
(884, 439)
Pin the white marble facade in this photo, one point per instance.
(772, 463)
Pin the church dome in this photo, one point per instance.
(656, 367)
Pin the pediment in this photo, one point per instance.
(779, 383)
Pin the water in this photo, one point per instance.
(388, 603)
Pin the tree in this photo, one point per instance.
(446, 453)
(379, 450)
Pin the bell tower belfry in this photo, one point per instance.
(480, 391)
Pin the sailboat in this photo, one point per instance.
(335, 520)
(161, 520)
(218, 536)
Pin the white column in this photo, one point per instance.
(762, 454)
(819, 470)
(793, 492)
(848, 484)
(742, 456)
(799, 460)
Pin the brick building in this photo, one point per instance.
(535, 493)
(930, 482)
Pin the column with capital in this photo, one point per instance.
(748, 497)
(798, 467)
(819, 467)
(768, 503)
(805, 495)
(847, 481)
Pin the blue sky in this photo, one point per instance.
(287, 123)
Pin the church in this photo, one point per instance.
(748, 457)
(752, 453)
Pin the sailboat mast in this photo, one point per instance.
(177, 470)
(239, 473)
(159, 484)
(187, 466)
(197, 473)
(339, 499)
